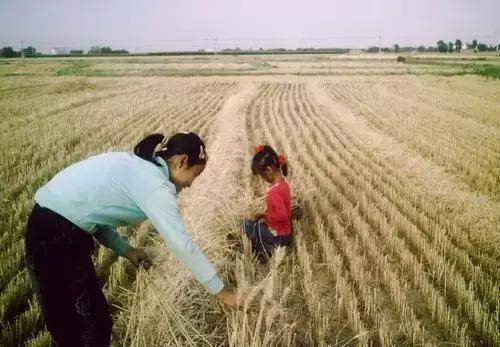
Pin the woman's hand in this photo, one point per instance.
(230, 297)
(138, 257)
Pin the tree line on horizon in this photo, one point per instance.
(441, 47)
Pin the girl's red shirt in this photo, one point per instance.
(279, 208)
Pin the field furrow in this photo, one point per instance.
(466, 148)
(396, 168)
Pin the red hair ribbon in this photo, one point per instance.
(259, 149)
(282, 159)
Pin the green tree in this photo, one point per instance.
(29, 51)
(481, 47)
(458, 46)
(450, 47)
(474, 44)
(442, 47)
(421, 49)
(8, 52)
(396, 48)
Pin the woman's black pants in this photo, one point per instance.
(58, 257)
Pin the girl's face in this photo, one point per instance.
(181, 173)
(268, 174)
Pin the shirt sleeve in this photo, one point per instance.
(160, 206)
(276, 211)
(109, 237)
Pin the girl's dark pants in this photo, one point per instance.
(58, 257)
(263, 241)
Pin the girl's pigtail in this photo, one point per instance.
(283, 164)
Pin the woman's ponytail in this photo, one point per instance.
(146, 148)
(180, 143)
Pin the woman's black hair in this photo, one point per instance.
(180, 143)
(266, 156)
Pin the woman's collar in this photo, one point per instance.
(164, 166)
(166, 171)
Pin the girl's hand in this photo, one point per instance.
(297, 212)
(230, 297)
(138, 258)
(257, 216)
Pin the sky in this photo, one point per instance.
(154, 25)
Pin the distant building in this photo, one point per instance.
(95, 50)
(59, 51)
(356, 51)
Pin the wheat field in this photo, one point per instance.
(398, 175)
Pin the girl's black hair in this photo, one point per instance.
(180, 143)
(266, 156)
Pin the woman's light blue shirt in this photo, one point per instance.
(118, 188)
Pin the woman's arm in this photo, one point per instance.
(160, 206)
(109, 237)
